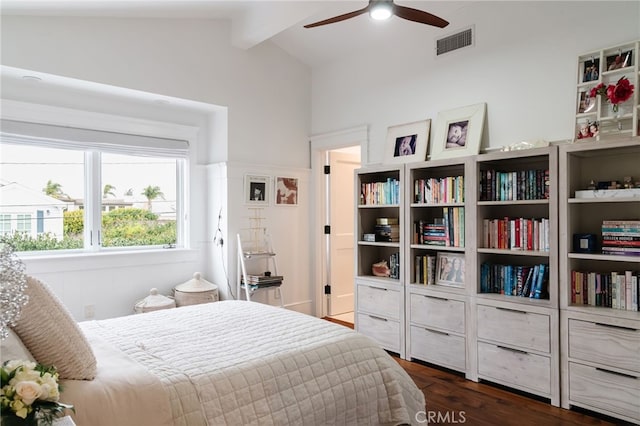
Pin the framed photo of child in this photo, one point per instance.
(459, 132)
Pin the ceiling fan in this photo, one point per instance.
(383, 9)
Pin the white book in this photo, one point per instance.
(627, 285)
(634, 293)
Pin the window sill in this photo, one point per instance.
(77, 261)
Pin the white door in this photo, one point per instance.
(341, 239)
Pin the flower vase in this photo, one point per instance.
(617, 111)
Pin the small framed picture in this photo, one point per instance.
(256, 189)
(450, 269)
(407, 142)
(586, 103)
(459, 132)
(619, 60)
(286, 191)
(591, 70)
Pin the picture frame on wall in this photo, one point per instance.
(408, 142)
(459, 132)
(256, 190)
(286, 192)
(450, 269)
(619, 60)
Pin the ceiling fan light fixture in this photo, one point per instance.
(380, 11)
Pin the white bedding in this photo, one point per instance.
(243, 363)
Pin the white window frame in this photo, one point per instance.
(57, 116)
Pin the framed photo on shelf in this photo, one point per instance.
(286, 191)
(586, 103)
(619, 60)
(407, 142)
(450, 269)
(256, 190)
(591, 70)
(458, 132)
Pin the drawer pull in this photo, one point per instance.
(511, 310)
(435, 297)
(377, 318)
(512, 350)
(616, 373)
(436, 331)
(378, 288)
(615, 326)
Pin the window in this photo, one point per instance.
(59, 194)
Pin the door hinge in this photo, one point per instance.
(327, 229)
(327, 289)
(327, 170)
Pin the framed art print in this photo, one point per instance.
(256, 190)
(458, 132)
(286, 191)
(407, 142)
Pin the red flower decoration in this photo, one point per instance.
(620, 92)
(600, 89)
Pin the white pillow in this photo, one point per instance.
(13, 348)
(51, 334)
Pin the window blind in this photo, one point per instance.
(62, 137)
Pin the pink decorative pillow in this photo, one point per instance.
(53, 337)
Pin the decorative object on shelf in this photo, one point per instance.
(381, 269)
(286, 191)
(588, 129)
(591, 70)
(450, 269)
(256, 190)
(30, 394)
(459, 132)
(13, 282)
(584, 243)
(408, 142)
(614, 93)
(619, 60)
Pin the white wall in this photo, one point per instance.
(263, 94)
(523, 65)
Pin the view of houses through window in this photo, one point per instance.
(44, 195)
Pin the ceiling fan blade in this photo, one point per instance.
(338, 18)
(416, 15)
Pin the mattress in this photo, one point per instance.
(238, 362)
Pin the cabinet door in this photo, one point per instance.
(441, 313)
(379, 300)
(438, 347)
(384, 331)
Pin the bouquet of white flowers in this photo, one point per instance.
(29, 394)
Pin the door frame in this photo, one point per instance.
(320, 144)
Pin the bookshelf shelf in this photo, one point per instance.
(437, 248)
(425, 205)
(511, 189)
(379, 301)
(596, 340)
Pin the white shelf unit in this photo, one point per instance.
(611, 125)
(600, 346)
(437, 318)
(516, 338)
(256, 259)
(379, 301)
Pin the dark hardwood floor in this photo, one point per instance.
(452, 399)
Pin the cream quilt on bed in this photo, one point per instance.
(243, 363)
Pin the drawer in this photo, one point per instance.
(439, 348)
(525, 330)
(379, 300)
(445, 314)
(384, 331)
(614, 393)
(523, 370)
(605, 344)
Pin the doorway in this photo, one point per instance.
(340, 196)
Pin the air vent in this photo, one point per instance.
(454, 42)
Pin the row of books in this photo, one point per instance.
(516, 234)
(439, 190)
(387, 192)
(425, 269)
(447, 231)
(508, 186)
(621, 237)
(513, 280)
(617, 290)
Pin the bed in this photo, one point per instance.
(230, 362)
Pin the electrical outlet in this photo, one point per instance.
(89, 311)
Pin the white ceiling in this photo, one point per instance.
(253, 22)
